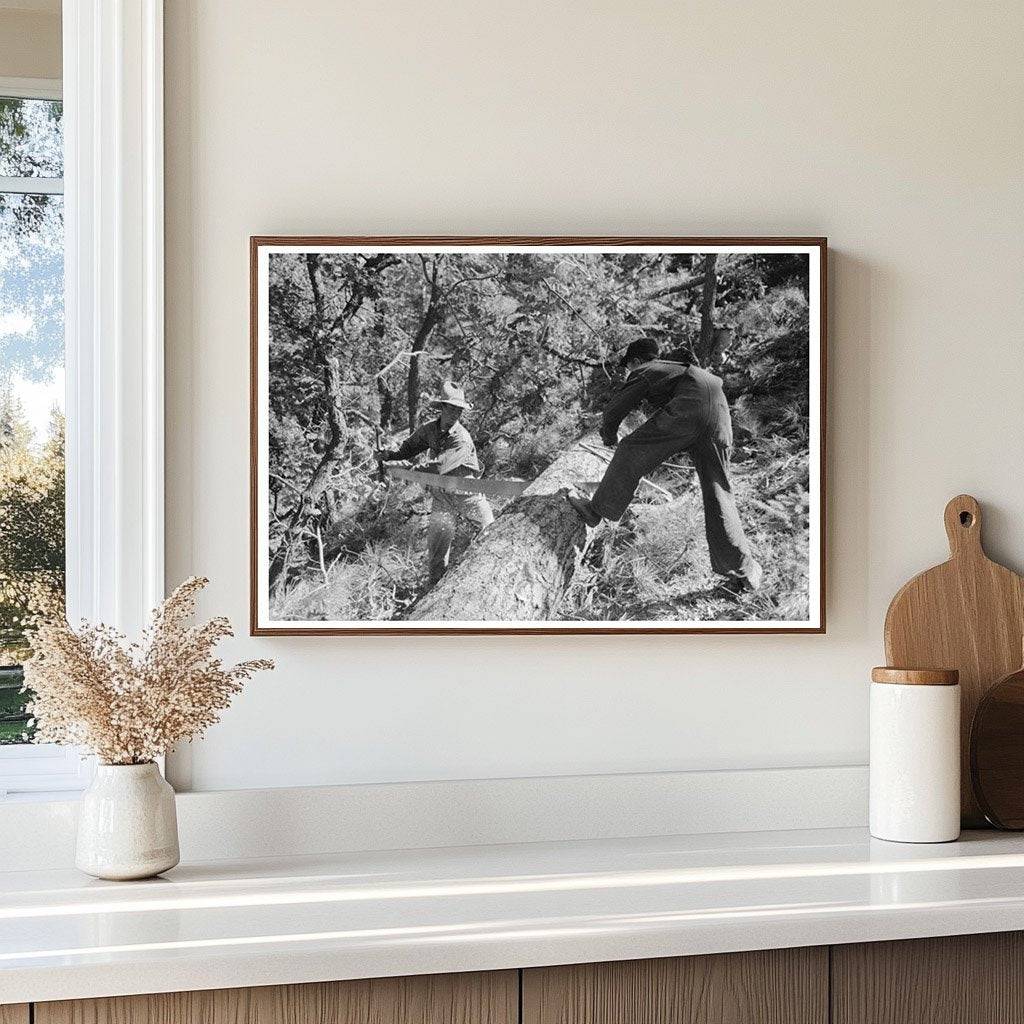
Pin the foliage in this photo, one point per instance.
(129, 703)
(31, 531)
(31, 138)
(360, 341)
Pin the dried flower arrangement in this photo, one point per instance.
(129, 703)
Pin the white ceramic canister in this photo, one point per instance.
(915, 755)
(127, 825)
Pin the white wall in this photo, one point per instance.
(895, 129)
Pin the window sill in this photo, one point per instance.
(42, 771)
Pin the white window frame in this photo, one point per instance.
(31, 89)
(114, 324)
(42, 767)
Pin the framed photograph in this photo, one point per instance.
(537, 435)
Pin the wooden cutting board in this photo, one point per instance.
(967, 614)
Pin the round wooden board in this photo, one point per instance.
(997, 752)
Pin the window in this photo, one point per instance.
(109, 209)
(32, 513)
(31, 383)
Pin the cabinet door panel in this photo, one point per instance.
(14, 1013)
(960, 979)
(481, 998)
(778, 986)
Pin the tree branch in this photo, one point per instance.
(312, 263)
(359, 415)
(412, 355)
(561, 298)
(680, 286)
(576, 360)
(467, 280)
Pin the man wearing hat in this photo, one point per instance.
(454, 454)
(691, 415)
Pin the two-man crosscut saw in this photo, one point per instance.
(460, 484)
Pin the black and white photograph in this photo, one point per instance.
(550, 435)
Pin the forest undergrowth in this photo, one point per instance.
(651, 566)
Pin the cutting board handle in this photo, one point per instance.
(963, 526)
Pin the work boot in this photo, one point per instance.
(737, 583)
(584, 509)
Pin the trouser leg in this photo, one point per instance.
(637, 454)
(440, 533)
(474, 507)
(727, 543)
(477, 509)
(447, 508)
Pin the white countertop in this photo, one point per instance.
(261, 922)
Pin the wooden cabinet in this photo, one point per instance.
(962, 979)
(491, 998)
(777, 986)
(970, 979)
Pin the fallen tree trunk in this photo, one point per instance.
(519, 567)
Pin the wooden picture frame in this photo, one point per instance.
(469, 248)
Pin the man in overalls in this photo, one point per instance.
(692, 416)
(454, 454)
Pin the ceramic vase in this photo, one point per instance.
(127, 825)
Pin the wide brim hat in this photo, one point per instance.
(451, 395)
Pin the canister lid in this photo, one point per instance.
(916, 676)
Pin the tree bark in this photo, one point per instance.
(519, 567)
(318, 482)
(707, 307)
(387, 404)
(328, 333)
(431, 316)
